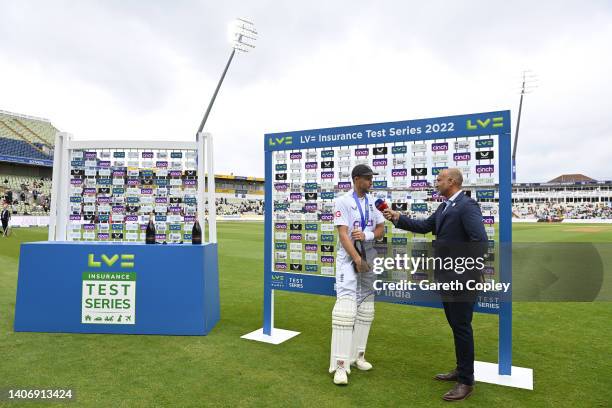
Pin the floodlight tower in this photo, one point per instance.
(242, 37)
(529, 83)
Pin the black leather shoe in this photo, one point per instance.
(452, 376)
(459, 392)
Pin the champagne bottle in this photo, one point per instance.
(150, 233)
(196, 233)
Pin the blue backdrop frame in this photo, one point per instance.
(471, 125)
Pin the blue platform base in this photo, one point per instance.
(119, 288)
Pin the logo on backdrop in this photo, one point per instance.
(109, 290)
(280, 140)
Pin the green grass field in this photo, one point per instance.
(569, 345)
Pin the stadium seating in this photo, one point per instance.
(235, 206)
(19, 148)
(30, 195)
(550, 211)
(23, 127)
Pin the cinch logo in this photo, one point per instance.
(281, 186)
(311, 247)
(495, 122)
(279, 140)
(399, 173)
(327, 259)
(327, 174)
(310, 207)
(379, 162)
(489, 220)
(344, 185)
(487, 168)
(439, 147)
(127, 260)
(310, 165)
(418, 183)
(462, 156)
(327, 217)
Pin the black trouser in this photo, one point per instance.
(459, 317)
(4, 226)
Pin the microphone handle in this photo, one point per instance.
(359, 247)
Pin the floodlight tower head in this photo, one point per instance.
(243, 35)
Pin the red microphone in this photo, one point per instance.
(381, 205)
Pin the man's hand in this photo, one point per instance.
(358, 235)
(391, 215)
(361, 265)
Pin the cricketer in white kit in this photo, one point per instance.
(356, 218)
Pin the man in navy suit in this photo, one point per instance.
(459, 230)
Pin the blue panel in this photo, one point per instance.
(24, 160)
(177, 290)
(477, 124)
(268, 307)
(505, 239)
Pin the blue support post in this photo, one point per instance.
(505, 251)
(268, 318)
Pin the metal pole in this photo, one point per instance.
(212, 100)
(518, 124)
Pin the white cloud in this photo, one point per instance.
(111, 70)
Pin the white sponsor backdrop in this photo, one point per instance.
(43, 221)
(567, 221)
(29, 221)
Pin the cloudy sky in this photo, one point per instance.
(136, 69)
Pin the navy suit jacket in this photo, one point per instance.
(459, 231)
